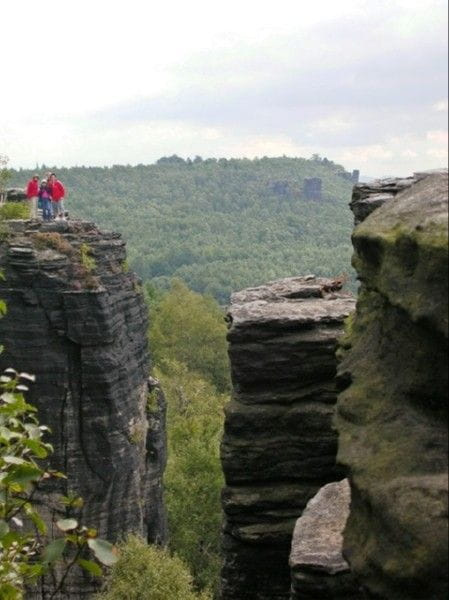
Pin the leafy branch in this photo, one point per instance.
(27, 551)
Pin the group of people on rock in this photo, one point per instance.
(49, 194)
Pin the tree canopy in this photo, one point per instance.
(219, 225)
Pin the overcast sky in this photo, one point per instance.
(102, 82)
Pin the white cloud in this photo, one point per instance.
(129, 82)
(441, 106)
(439, 137)
(332, 124)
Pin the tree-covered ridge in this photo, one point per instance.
(220, 225)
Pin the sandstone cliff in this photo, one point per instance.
(392, 414)
(279, 446)
(77, 320)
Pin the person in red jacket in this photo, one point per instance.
(57, 197)
(32, 192)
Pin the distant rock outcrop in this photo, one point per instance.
(392, 414)
(77, 320)
(312, 188)
(281, 188)
(279, 446)
(353, 177)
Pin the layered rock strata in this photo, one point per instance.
(77, 320)
(319, 570)
(392, 414)
(279, 446)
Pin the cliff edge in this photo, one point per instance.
(77, 320)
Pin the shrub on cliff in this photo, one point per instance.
(14, 210)
(148, 573)
(29, 548)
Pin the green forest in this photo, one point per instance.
(196, 231)
(218, 225)
(191, 363)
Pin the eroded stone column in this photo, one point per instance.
(279, 446)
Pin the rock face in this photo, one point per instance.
(367, 197)
(77, 320)
(319, 570)
(155, 518)
(279, 447)
(392, 414)
(15, 195)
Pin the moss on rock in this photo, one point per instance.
(392, 416)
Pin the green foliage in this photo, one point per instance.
(86, 259)
(189, 328)
(87, 268)
(219, 225)
(152, 402)
(193, 478)
(148, 573)
(27, 550)
(5, 173)
(188, 339)
(153, 296)
(14, 210)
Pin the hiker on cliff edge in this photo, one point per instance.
(57, 197)
(32, 193)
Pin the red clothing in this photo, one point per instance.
(32, 188)
(57, 191)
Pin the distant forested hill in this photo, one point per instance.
(220, 225)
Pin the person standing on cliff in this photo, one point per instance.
(45, 198)
(57, 195)
(32, 193)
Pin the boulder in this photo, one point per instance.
(319, 570)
